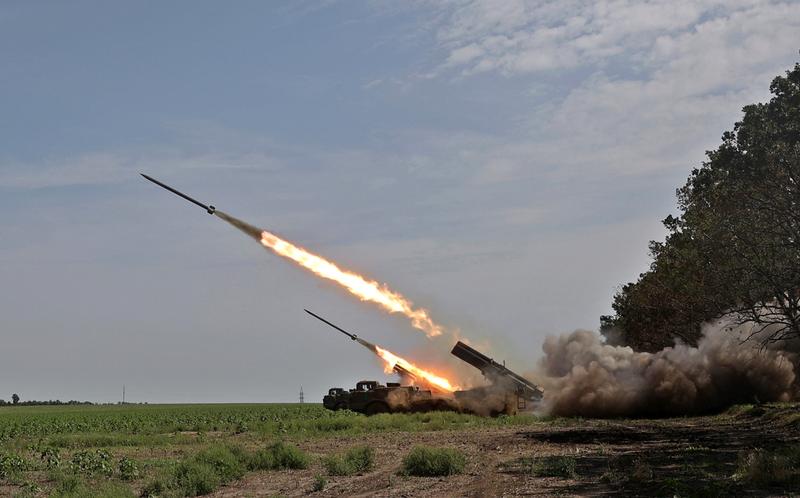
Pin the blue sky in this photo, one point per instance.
(501, 163)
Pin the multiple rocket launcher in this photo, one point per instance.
(498, 375)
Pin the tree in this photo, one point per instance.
(15, 398)
(735, 248)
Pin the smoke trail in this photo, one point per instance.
(363, 288)
(584, 376)
(241, 225)
(366, 290)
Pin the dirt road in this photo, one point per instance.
(694, 456)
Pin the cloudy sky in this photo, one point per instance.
(501, 163)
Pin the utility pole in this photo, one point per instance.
(123, 394)
(301, 395)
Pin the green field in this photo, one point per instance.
(68, 450)
(247, 450)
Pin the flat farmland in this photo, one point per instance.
(242, 450)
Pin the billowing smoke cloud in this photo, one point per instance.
(584, 376)
(485, 401)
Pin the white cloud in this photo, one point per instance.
(649, 85)
(372, 83)
(526, 36)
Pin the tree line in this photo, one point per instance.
(734, 248)
(15, 401)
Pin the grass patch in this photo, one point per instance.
(278, 456)
(111, 426)
(425, 461)
(128, 469)
(206, 471)
(319, 483)
(228, 462)
(117, 440)
(193, 478)
(72, 486)
(11, 466)
(554, 466)
(765, 467)
(220, 464)
(154, 488)
(96, 462)
(355, 461)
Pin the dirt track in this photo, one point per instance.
(683, 456)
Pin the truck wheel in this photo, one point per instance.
(376, 407)
(340, 406)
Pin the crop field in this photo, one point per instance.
(303, 449)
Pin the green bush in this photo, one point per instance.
(764, 467)
(319, 483)
(355, 461)
(11, 465)
(425, 461)
(238, 452)
(262, 460)
(128, 469)
(51, 457)
(336, 466)
(227, 461)
(279, 456)
(195, 478)
(154, 488)
(92, 462)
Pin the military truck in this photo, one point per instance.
(508, 392)
(370, 397)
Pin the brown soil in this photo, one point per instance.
(694, 456)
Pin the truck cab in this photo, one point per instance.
(336, 399)
(367, 385)
(370, 397)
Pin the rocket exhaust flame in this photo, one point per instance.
(366, 290)
(361, 287)
(583, 375)
(391, 360)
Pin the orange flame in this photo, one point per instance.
(364, 289)
(392, 359)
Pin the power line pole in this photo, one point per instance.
(123, 394)
(301, 395)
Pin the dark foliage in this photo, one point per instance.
(734, 249)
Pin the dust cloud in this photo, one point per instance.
(584, 376)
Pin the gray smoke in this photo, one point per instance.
(484, 401)
(245, 227)
(582, 375)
